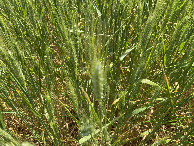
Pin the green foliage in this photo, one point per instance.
(96, 72)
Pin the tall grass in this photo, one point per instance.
(96, 72)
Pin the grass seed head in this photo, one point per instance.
(97, 79)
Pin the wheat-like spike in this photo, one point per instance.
(74, 100)
(97, 78)
(151, 23)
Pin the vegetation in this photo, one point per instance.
(101, 72)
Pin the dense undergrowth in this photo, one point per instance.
(101, 72)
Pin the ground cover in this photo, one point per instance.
(112, 72)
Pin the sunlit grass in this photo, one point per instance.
(96, 72)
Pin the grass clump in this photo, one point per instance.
(96, 72)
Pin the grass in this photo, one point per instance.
(96, 72)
